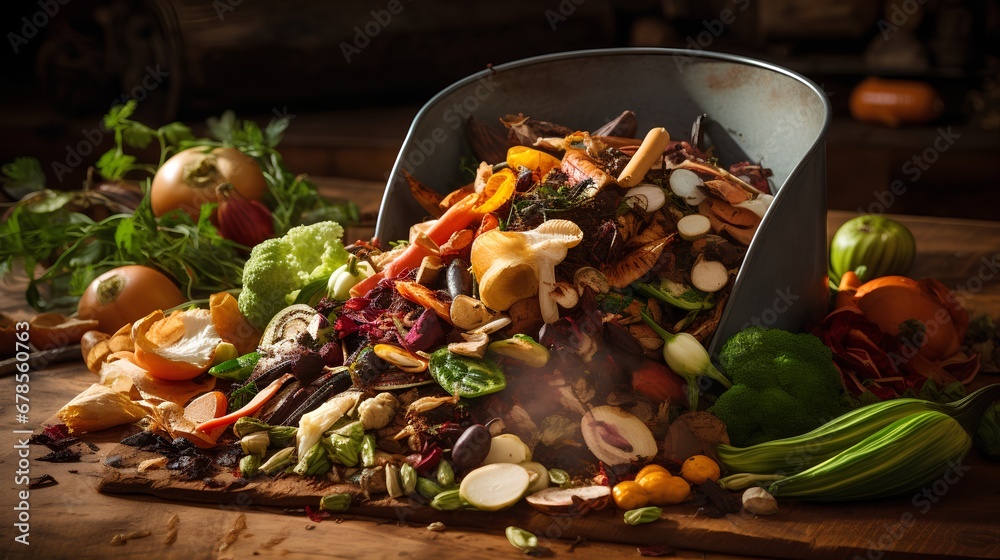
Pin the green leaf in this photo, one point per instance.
(275, 130)
(175, 133)
(49, 203)
(137, 135)
(80, 278)
(23, 175)
(114, 165)
(119, 114)
(124, 235)
(222, 128)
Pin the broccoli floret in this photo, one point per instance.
(279, 267)
(784, 385)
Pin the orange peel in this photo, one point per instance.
(231, 324)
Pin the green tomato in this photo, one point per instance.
(882, 245)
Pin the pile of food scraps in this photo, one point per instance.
(541, 338)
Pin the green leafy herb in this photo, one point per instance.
(115, 163)
(60, 232)
(243, 394)
(23, 175)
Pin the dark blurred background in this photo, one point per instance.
(353, 74)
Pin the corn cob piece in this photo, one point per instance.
(796, 454)
(901, 458)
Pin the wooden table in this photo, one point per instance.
(72, 520)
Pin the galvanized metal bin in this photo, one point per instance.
(758, 112)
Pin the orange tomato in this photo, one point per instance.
(125, 294)
(665, 489)
(699, 468)
(629, 495)
(650, 468)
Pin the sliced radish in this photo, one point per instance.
(709, 276)
(507, 448)
(646, 196)
(538, 474)
(494, 487)
(685, 184)
(757, 205)
(693, 227)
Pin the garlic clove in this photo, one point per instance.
(759, 501)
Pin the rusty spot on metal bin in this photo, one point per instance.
(731, 75)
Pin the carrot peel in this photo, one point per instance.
(253, 406)
(456, 218)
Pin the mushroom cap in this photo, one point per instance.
(506, 263)
(503, 286)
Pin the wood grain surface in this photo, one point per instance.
(73, 520)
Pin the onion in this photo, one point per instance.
(646, 196)
(494, 487)
(684, 183)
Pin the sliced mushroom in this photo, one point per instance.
(468, 313)
(430, 269)
(589, 276)
(474, 346)
(493, 326)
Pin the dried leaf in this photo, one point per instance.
(636, 264)
(624, 125)
(488, 143)
(428, 198)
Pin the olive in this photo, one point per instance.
(458, 279)
(471, 448)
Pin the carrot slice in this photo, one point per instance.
(253, 406)
(422, 295)
(849, 284)
(458, 217)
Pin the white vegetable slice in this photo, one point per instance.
(538, 474)
(570, 501)
(313, 424)
(646, 196)
(494, 487)
(615, 436)
(684, 183)
(709, 276)
(507, 448)
(693, 227)
(757, 205)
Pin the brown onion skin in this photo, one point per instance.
(125, 294)
(174, 185)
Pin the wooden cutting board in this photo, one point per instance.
(959, 516)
